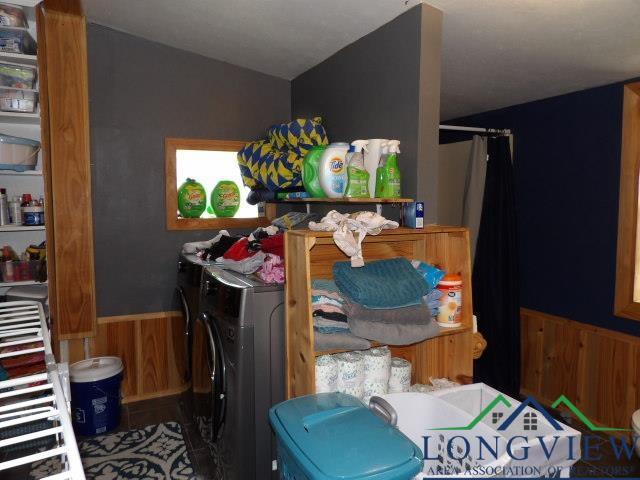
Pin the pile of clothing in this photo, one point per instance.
(330, 321)
(262, 253)
(390, 301)
(21, 365)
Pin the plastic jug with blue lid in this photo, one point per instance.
(334, 436)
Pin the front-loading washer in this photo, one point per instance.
(238, 364)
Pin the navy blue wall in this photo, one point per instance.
(567, 164)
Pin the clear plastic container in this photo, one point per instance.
(17, 76)
(17, 40)
(12, 16)
(18, 100)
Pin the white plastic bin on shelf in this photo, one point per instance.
(459, 429)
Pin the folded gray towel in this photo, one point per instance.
(330, 341)
(393, 334)
(412, 315)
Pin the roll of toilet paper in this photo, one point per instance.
(377, 365)
(350, 373)
(373, 388)
(400, 379)
(326, 374)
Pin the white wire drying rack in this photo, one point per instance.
(42, 397)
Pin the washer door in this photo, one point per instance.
(184, 344)
(208, 380)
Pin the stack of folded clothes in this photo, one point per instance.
(388, 301)
(328, 308)
(330, 320)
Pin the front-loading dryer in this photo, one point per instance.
(238, 364)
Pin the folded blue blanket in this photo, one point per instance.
(389, 283)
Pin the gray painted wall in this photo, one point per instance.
(385, 85)
(140, 93)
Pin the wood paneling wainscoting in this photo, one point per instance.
(596, 368)
(151, 346)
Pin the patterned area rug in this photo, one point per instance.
(155, 452)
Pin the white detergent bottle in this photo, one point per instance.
(332, 170)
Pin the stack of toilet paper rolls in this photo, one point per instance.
(363, 374)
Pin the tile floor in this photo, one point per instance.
(170, 409)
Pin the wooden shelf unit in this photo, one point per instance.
(344, 200)
(311, 255)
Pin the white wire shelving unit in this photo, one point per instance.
(34, 409)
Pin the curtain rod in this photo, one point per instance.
(476, 129)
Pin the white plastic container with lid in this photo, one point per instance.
(332, 170)
(95, 394)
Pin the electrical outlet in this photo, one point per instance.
(274, 465)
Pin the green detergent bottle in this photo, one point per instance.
(357, 175)
(192, 199)
(310, 165)
(225, 198)
(388, 177)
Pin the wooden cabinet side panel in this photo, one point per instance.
(301, 374)
(67, 171)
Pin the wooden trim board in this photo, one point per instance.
(628, 263)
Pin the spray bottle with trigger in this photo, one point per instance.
(357, 175)
(384, 153)
(388, 177)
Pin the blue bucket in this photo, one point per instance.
(95, 395)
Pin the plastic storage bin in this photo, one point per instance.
(17, 40)
(12, 16)
(17, 153)
(95, 394)
(421, 414)
(17, 76)
(334, 436)
(21, 271)
(18, 100)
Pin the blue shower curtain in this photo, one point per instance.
(495, 274)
